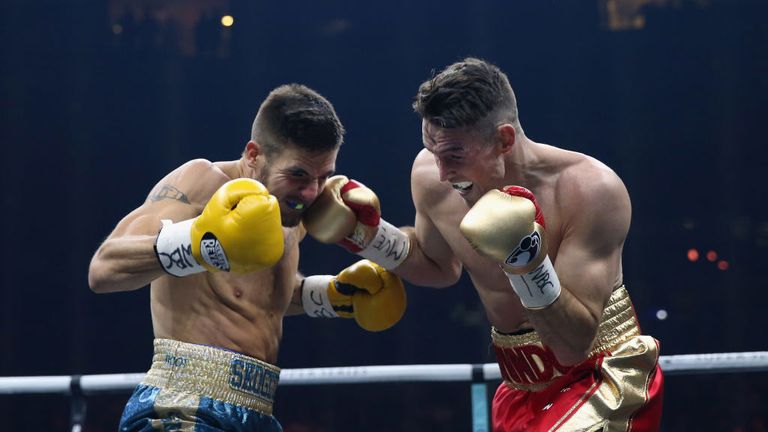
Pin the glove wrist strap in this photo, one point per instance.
(538, 288)
(314, 296)
(173, 248)
(389, 247)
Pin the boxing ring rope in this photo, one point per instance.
(77, 386)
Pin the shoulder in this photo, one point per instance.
(587, 180)
(193, 182)
(591, 195)
(426, 187)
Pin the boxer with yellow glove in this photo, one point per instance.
(349, 214)
(508, 226)
(365, 291)
(239, 230)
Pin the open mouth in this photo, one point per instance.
(462, 187)
(294, 205)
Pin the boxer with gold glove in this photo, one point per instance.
(365, 291)
(508, 226)
(239, 230)
(349, 214)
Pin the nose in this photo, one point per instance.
(310, 191)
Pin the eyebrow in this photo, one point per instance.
(296, 168)
(455, 148)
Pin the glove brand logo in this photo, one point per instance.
(213, 253)
(525, 251)
(253, 378)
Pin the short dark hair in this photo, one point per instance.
(470, 93)
(294, 114)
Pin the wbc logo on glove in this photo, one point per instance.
(213, 253)
(525, 251)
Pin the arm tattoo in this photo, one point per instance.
(167, 191)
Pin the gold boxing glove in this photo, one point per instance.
(507, 225)
(349, 214)
(239, 230)
(365, 291)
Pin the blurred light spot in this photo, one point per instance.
(117, 29)
(227, 20)
(335, 26)
(723, 265)
(712, 256)
(689, 224)
(693, 255)
(661, 314)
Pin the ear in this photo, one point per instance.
(251, 153)
(506, 134)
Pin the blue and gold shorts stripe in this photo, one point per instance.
(199, 388)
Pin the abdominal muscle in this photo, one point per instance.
(242, 313)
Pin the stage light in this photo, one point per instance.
(693, 255)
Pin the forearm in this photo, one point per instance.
(567, 327)
(420, 269)
(124, 264)
(296, 307)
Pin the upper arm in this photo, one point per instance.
(588, 261)
(429, 244)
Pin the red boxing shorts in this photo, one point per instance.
(618, 388)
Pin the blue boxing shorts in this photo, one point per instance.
(203, 389)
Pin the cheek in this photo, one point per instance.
(493, 168)
(275, 186)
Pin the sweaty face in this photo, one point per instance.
(465, 159)
(296, 178)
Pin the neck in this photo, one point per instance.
(242, 169)
(519, 161)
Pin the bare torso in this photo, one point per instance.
(446, 208)
(240, 312)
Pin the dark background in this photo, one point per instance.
(98, 100)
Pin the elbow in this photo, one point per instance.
(442, 278)
(574, 353)
(98, 280)
(571, 357)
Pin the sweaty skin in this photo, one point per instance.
(240, 312)
(587, 212)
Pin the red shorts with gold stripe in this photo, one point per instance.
(618, 388)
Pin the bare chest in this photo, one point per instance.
(269, 290)
(492, 285)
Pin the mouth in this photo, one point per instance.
(462, 187)
(295, 205)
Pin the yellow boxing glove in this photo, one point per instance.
(239, 231)
(365, 291)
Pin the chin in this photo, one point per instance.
(471, 198)
(290, 221)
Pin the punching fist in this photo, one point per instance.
(365, 291)
(239, 230)
(508, 226)
(349, 214)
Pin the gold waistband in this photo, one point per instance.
(618, 325)
(216, 373)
